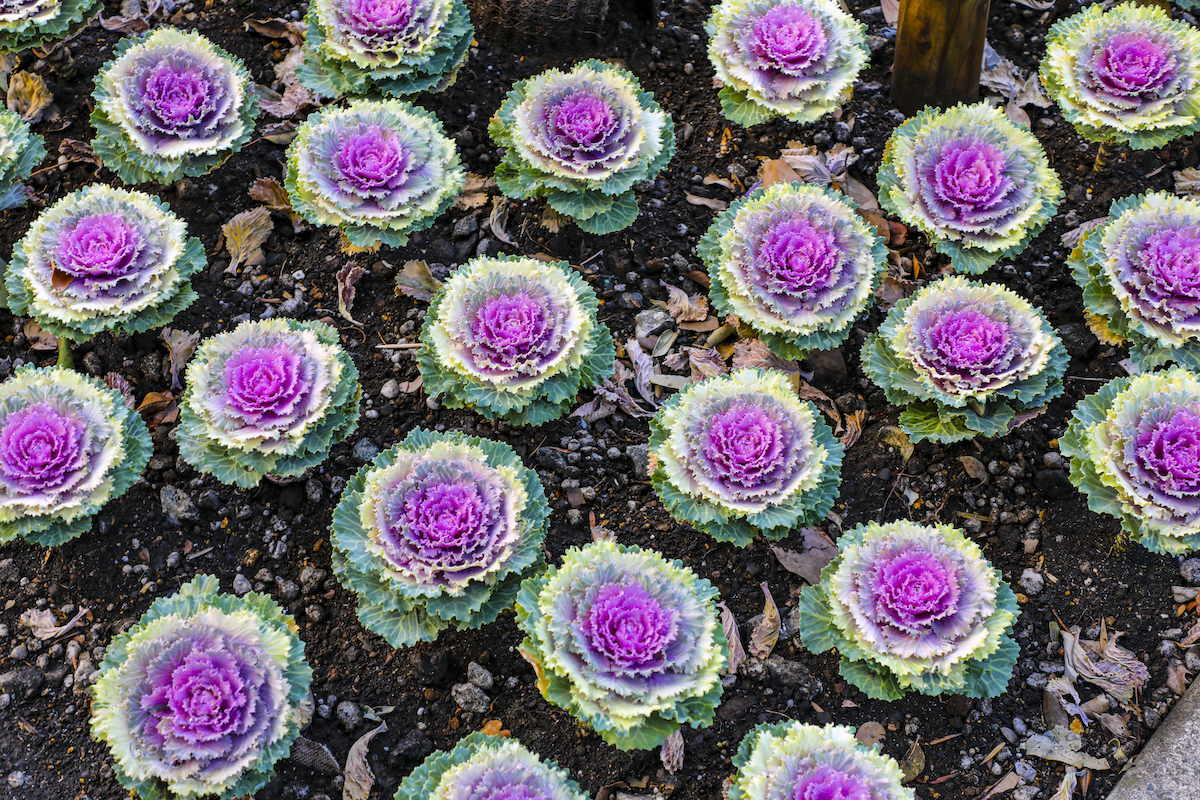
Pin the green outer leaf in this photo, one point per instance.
(406, 615)
(194, 596)
(73, 16)
(29, 149)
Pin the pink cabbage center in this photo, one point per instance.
(1170, 451)
(445, 516)
(510, 326)
(799, 256)
(380, 16)
(39, 447)
(914, 589)
(372, 158)
(98, 246)
(180, 95)
(969, 175)
(582, 119)
(967, 341)
(744, 444)
(788, 38)
(264, 382)
(1133, 64)
(628, 627)
(829, 783)
(1171, 261)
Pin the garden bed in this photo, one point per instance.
(1023, 512)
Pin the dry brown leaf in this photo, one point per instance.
(43, 625)
(704, 326)
(857, 191)
(737, 654)
(816, 554)
(278, 28)
(914, 763)
(707, 202)
(1177, 676)
(776, 170)
(347, 276)
(854, 422)
(28, 96)
(359, 778)
(180, 346)
(245, 235)
(1187, 181)
(671, 753)
(155, 401)
(897, 439)
(891, 12)
(766, 632)
(644, 369)
(686, 308)
(870, 734)
(494, 727)
(753, 354)
(270, 192)
(132, 19)
(1005, 784)
(475, 192)
(39, 338)
(416, 281)
(705, 362)
(974, 468)
(498, 219)
(1071, 238)
(281, 132)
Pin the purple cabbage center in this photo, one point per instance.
(445, 516)
(265, 384)
(788, 39)
(372, 158)
(40, 447)
(179, 94)
(745, 444)
(799, 256)
(1170, 451)
(829, 783)
(379, 17)
(966, 341)
(1131, 64)
(582, 120)
(914, 589)
(98, 246)
(509, 327)
(968, 175)
(628, 627)
(1170, 260)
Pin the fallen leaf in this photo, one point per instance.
(816, 553)
(686, 308)
(132, 19)
(776, 170)
(76, 150)
(705, 362)
(665, 340)
(671, 752)
(613, 390)
(271, 193)
(60, 280)
(408, 387)
(498, 219)
(1064, 746)
(347, 276)
(180, 346)
(707, 202)
(897, 439)
(116, 382)
(551, 220)
(737, 654)
(416, 281)
(643, 369)
(1187, 181)
(1115, 724)
(1177, 676)
(766, 633)
(155, 401)
(315, 756)
(494, 727)
(42, 624)
(599, 532)
(1066, 789)
(1111, 667)
(857, 191)
(245, 235)
(913, 763)
(870, 734)
(278, 28)
(475, 192)
(359, 778)
(28, 96)
(891, 12)
(1063, 693)
(1071, 238)
(753, 354)
(974, 468)
(39, 338)
(282, 132)
(854, 422)
(1006, 784)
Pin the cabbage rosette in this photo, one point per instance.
(270, 397)
(796, 59)
(1140, 275)
(202, 696)
(1135, 453)
(741, 455)
(966, 359)
(482, 767)
(582, 139)
(394, 47)
(376, 170)
(1127, 74)
(625, 641)
(68, 445)
(513, 338)
(794, 761)
(102, 259)
(438, 532)
(913, 608)
(20, 150)
(25, 24)
(977, 185)
(795, 263)
(171, 104)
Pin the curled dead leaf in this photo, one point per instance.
(870, 734)
(475, 191)
(28, 96)
(347, 276)
(897, 439)
(685, 307)
(765, 635)
(671, 752)
(245, 235)
(416, 281)
(180, 346)
(737, 654)
(359, 778)
(39, 338)
(707, 202)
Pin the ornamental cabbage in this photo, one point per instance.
(913, 607)
(202, 696)
(395, 47)
(377, 170)
(582, 139)
(1135, 452)
(20, 150)
(104, 258)
(171, 104)
(438, 532)
(68, 445)
(794, 761)
(514, 339)
(742, 454)
(482, 767)
(270, 397)
(25, 24)
(626, 641)
(795, 263)
(1128, 74)
(978, 186)
(797, 59)
(1140, 275)
(966, 359)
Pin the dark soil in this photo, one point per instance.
(276, 535)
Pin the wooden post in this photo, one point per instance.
(939, 51)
